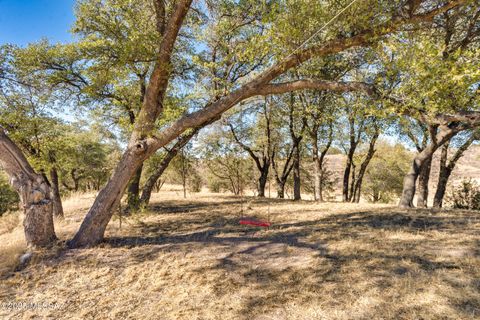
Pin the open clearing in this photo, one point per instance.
(190, 259)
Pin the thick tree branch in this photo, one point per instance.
(250, 89)
(468, 117)
(154, 95)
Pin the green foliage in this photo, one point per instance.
(430, 78)
(222, 45)
(465, 196)
(214, 185)
(328, 179)
(195, 182)
(384, 178)
(183, 170)
(8, 197)
(86, 162)
(225, 165)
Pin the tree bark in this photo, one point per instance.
(296, 174)
(354, 139)
(133, 192)
(446, 169)
(346, 174)
(363, 167)
(443, 176)
(318, 172)
(280, 189)
(56, 199)
(262, 182)
(423, 180)
(445, 133)
(34, 192)
(152, 180)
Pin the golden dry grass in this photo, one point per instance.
(189, 259)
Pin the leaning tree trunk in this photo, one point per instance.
(444, 175)
(423, 180)
(446, 170)
(134, 191)
(352, 183)
(34, 191)
(410, 180)
(357, 190)
(56, 199)
(152, 180)
(93, 226)
(171, 154)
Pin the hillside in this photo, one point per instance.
(467, 167)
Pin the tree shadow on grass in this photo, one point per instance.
(332, 259)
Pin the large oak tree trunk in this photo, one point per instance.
(410, 180)
(56, 199)
(423, 180)
(34, 191)
(262, 181)
(444, 175)
(93, 226)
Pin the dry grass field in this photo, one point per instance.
(190, 259)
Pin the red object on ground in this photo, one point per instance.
(256, 223)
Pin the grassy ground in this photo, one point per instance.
(190, 259)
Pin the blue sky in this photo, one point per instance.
(26, 21)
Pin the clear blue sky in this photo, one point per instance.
(26, 21)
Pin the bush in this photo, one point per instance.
(214, 185)
(466, 195)
(8, 197)
(196, 182)
(384, 178)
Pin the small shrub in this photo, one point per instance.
(214, 185)
(466, 195)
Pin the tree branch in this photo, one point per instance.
(323, 85)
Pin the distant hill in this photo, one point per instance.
(467, 167)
